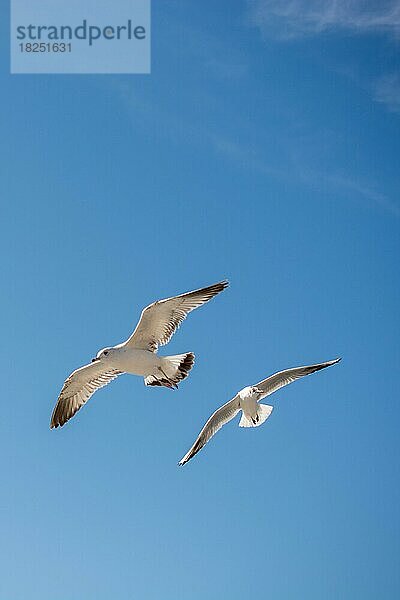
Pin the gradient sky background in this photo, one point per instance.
(264, 147)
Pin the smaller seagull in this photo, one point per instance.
(138, 355)
(253, 414)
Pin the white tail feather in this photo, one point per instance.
(263, 412)
(173, 370)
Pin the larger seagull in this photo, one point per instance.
(138, 355)
(253, 414)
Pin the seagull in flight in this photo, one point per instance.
(253, 414)
(138, 355)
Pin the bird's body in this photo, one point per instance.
(138, 355)
(156, 370)
(247, 400)
(134, 360)
(248, 403)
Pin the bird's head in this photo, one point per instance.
(251, 391)
(102, 354)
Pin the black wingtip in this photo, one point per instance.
(220, 285)
(53, 424)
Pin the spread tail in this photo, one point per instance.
(172, 371)
(263, 412)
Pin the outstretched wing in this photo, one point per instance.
(222, 415)
(278, 380)
(159, 321)
(78, 388)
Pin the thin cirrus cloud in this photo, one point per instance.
(250, 157)
(387, 91)
(300, 171)
(294, 18)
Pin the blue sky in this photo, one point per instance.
(264, 147)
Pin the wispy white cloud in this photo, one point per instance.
(387, 91)
(308, 173)
(367, 192)
(248, 157)
(346, 186)
(306, 157)
(225, 69)
(364, 191)
(293, 18)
